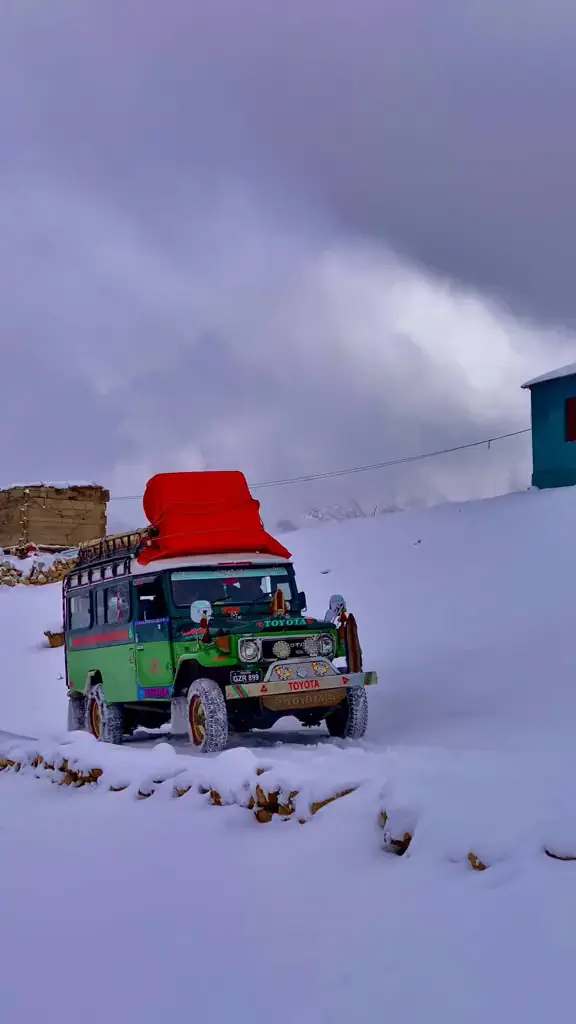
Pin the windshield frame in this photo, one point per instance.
(214, 573)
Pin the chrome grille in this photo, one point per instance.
(296, 644)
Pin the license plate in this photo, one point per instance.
(245, 677)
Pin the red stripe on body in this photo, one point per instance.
(99, 638)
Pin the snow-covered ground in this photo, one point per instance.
(151, 909)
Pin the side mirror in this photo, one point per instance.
(302, 600)
(336, 606)
(200, 610)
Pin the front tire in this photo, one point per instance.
(350, 719)
(104, 721)
(207, 717)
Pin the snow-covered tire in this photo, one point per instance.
(76, 713)
(104, 721)
(350, 718)
(207, 717)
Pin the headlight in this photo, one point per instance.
(281, 649)
(326, 646)
(249, 650)
(311, 646)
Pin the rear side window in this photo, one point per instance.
(79, 611)
(118, 604)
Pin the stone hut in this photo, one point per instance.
(51, 517)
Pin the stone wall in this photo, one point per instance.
(37, 574)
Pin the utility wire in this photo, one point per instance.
(360, 469)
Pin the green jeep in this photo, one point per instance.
(211, 647)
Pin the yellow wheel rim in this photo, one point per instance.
(197, 721)
(95, 719)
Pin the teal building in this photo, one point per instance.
(553, 402)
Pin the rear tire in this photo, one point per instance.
(350, 719)
(76, 713)
(104, 721)
(207, 717)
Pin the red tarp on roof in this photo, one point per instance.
(203, 514)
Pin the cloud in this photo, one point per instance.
(259, 339)
(444, 130)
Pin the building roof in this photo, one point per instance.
(57, 485)
(564, 371)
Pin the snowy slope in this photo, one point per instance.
(466, 611)
(32, 674)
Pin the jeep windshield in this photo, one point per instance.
(238, 587)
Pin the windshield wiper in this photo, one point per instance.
(249, 604)
(264, 599)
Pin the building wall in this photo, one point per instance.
(554, 459)
(52, 516)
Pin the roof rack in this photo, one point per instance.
(114, 544)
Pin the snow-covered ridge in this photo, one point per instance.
(430, 806)
(238, 776)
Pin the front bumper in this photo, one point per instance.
(300, 676)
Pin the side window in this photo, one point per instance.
(118, 604)
(151, 600)
(79, 611)
(100, 606)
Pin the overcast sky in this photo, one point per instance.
(283, 237)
